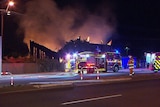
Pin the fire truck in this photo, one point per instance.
(90, 62)
(153, 61)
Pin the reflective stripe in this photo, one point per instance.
(157, 64)
(131, 66)
(101, 69)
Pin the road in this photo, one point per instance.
(24, 79)
(126, 94)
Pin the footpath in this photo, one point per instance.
(121, 76)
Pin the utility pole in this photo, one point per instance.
(10, 3)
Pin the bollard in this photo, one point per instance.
(12, 82)
(81, 73)
(98, 75)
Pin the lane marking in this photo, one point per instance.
(91, 99)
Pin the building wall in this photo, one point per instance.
(19, 68)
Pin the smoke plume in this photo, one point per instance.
(49, 25)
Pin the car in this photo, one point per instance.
(6, 73)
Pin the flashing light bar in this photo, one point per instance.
(74, 55)
(103, 56)
(87, 55)
(116, 51)
(68, 56)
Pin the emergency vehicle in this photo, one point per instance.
(153, 61)
(90, 62)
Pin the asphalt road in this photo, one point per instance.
(125, 94)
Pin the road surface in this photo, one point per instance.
(125, 94)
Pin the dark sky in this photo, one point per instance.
(139, 25)
(136, 23)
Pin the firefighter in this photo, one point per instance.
(131, 65)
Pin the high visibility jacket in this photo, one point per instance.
(131, 63)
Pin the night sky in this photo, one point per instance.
(132, 23)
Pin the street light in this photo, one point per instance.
(10, 3)
(127, 49)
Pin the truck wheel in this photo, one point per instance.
(115, 69)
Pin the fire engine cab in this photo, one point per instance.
(90, 62)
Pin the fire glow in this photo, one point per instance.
(53, 27)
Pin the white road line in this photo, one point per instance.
(91, 99)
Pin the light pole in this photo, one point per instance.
(3, 11)
(127, 49)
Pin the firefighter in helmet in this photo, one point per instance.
(131, 65)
